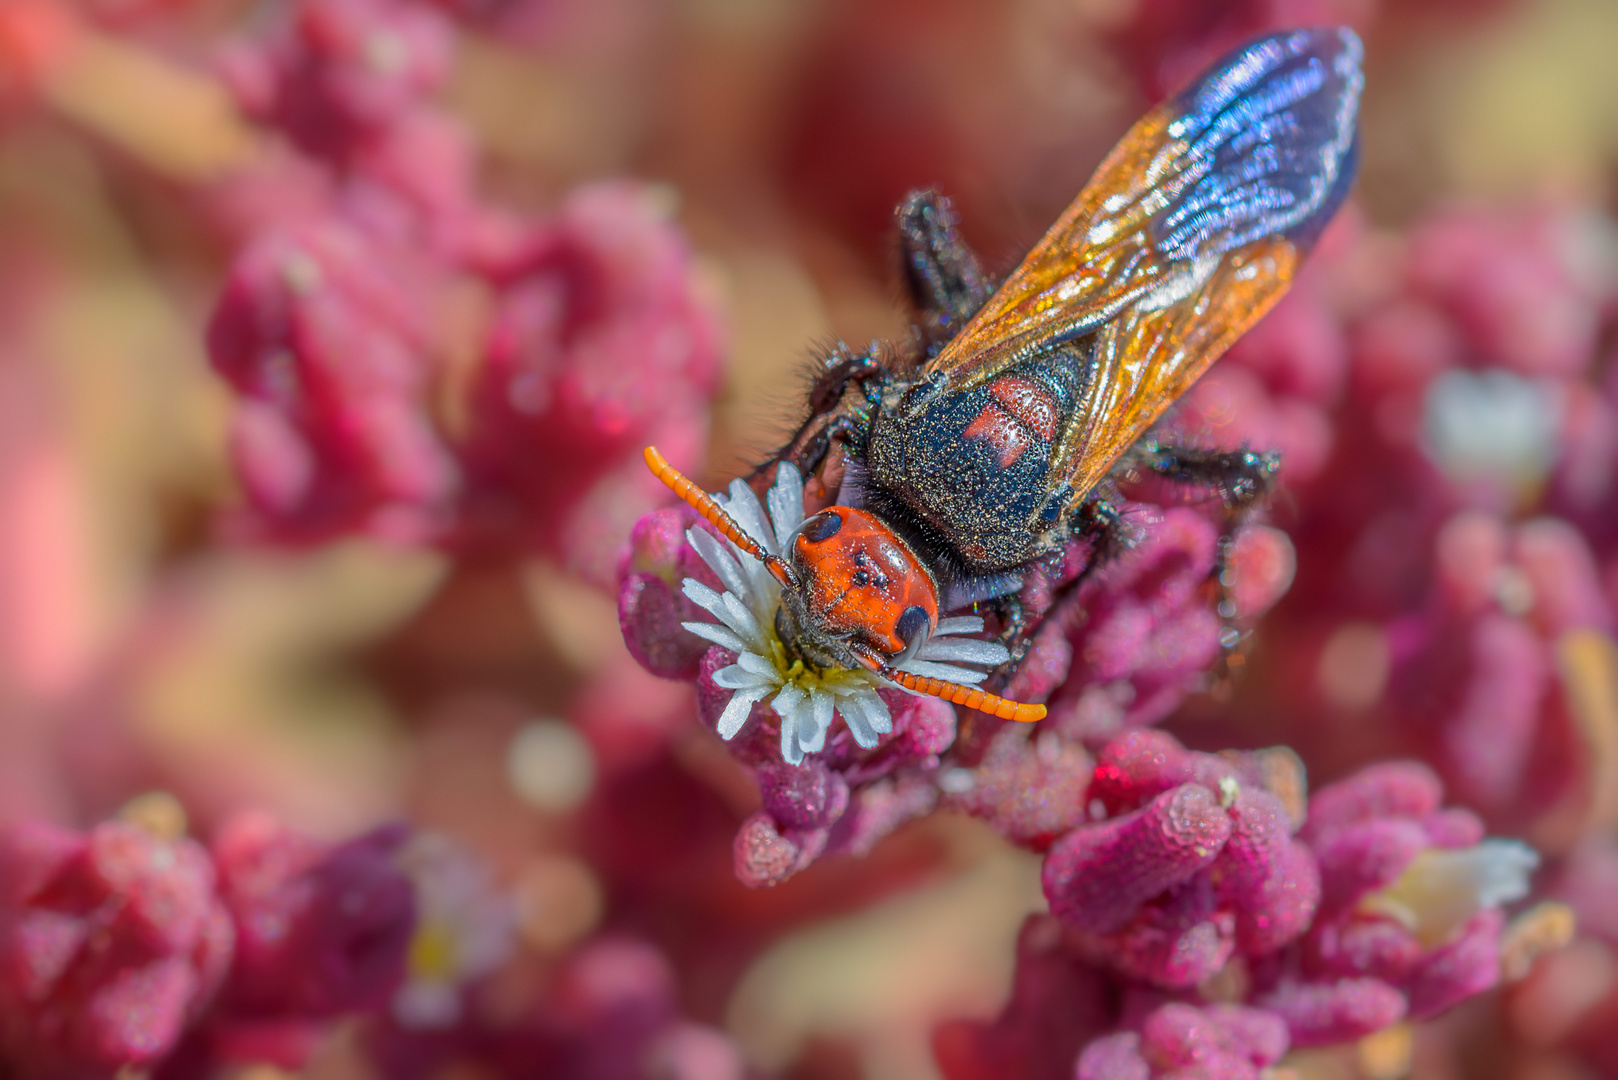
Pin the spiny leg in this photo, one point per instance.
(1098, 520)
(1012, 617)
(1239, 477)
(944, 280)
(1242, 479)
(946, 286)
(825, 394)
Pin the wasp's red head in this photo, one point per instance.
(862, 583)
(853, 593)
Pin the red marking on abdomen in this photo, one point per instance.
(1029, 402)
(1007, 437)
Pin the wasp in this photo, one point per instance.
(975, 455)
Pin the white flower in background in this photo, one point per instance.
(804, 699)
(1492, 425)
(1443, 888)
(465, 928)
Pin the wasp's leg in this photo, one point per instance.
(1097, 520)
(943, 277)
(843, 429)
(825, 393)
(1012, 616)
(1240, 477)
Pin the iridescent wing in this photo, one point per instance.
(1187, 234)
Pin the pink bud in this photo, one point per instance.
(1097, 876)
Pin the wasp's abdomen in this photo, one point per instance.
(1021, 415)
(975, 464)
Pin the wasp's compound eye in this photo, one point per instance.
(823, 526)
(914, 621)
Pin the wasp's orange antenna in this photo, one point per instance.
(970, 696)
(703, 503)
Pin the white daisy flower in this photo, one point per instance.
(465, 928)
(804, 699)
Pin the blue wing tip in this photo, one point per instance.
(1339, 48)
(1320, 41)
(1270, 142)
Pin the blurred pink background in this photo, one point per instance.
(554, 230)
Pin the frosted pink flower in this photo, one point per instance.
(340, 72)
(1030, 788)
(1219, 1042)
(652, 603)
(321, 929)
(1187, 863)
(1522, 287)
(1477, 672)
(112, 943)
(323, 333)
(1141, 628)
(603, 342)
(608, 1011)
(1410, 919)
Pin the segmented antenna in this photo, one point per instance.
(970, 696)
(703, 503)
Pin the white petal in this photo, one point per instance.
(877, 710)
(959, 624)
(812, 742)
(824, 705)
(1505, 867)
(717, 634)
(736, 713)
(743, 507)
(716, 553)
(791, 720)
(790, 697)
(741, 620)
(737, 677)
(759, 666)
(704, 597)
(947, 672)
(971, 650)
(859, 723)
(818, 712)
(786, 500)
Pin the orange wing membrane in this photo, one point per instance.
(1190, 231)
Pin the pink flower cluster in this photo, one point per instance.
(1449, 459)
(404, 353)
(842, 800)
(1188, 862)
(416, 362)
(609, 1011)
(117, 944)
(1123, 648)
(1207, 874)
(1228, 1042)
(1067, 1019)
(1409, 921)
(1120, 649)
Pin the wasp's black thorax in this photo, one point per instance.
(974, 465)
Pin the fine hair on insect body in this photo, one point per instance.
(964, 462)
